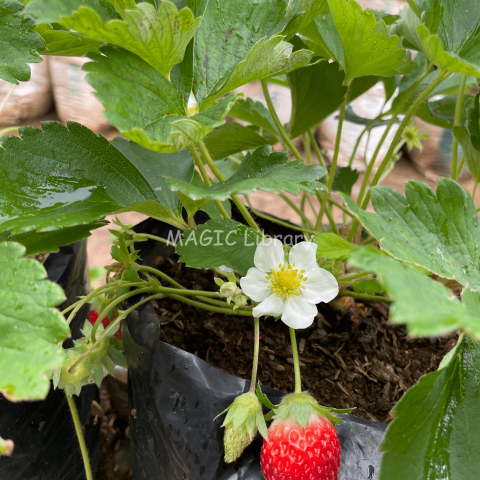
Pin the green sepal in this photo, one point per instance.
(98, 374)
(240, 416)
(232, 278)
(108, 364)
(262, 425)
(264, 399)
(218, 281)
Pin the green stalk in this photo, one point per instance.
(168, 243)
(228, 311)
(390, 124)
(116, 302)
(323, 206)
(317, 151)
(297, 210)
(336, 152)
(296, 363)
(277, 121)
(364, 296)
(8, 130)
(456, 123)
(308, 152)
(206, 178)
(221, 178)
(442, 75)
(159, 273)
(348, 279)
(256, 349)
(81, 438)
(311, 204)
(276, 220)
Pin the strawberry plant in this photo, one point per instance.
(168, 73)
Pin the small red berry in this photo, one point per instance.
(93, 316)
(296, 453)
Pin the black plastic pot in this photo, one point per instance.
(46, 446)
(175, 396)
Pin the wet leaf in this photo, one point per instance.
(145, 106)
(436, 430)
(262, 170)
(217, 243)
(267, 58)
(30, 326)
(226, 34)
(304, 15)
(66, 176)
(367, 48)
(19, 44)
(440, 232)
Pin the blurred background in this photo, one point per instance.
(58, 90)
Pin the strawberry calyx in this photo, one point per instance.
(301, 406)
(244, 419)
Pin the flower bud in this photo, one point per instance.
(228, 289)
(240, 300)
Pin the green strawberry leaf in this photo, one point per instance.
(51, 11)
(367, 48)
(145, 106)
(436, 427)
(65, 43)
(18, 43)
(333, 247)
(468, 63)
(344, 180)
(261, 170)
(228, 31)
(122, 5)
(232, 138)
(254, 113)
(30, 327)
(50, 241)
(267, 58)
(217, 243)
(317, 92)
(441, 314)
(55, 178)
(159, 37)
(472, 156)
(305, 14)
(440, 232)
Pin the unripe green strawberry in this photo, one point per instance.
(243, 421)
(80, 372)
(99, 351)
(236, 441)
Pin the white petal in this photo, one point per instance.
(255, 284)
(297, 313)
(269, 254)
(320, 286)
(304, 255)
(273, 305)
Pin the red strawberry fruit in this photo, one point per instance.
(93, 316)
(297, 453)
(302, 441)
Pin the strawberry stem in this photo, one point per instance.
(296, 364)
(256, 348)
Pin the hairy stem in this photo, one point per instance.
(456, 123)
(221, 178)
(296, 362)
(278, 123)
(81, 438)
(206, 178)
(442, 75)
(390, 124)
(364, 296)
(256, 348)
(317, 151)
(158, 239)
(338, 139)
(297, 210)
(228, 311)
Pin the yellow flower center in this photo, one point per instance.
(286, 281)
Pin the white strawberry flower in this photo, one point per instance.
(291, 289)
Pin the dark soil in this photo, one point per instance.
(351, 357)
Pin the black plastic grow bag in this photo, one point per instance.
(46, 446)
(175, 396)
